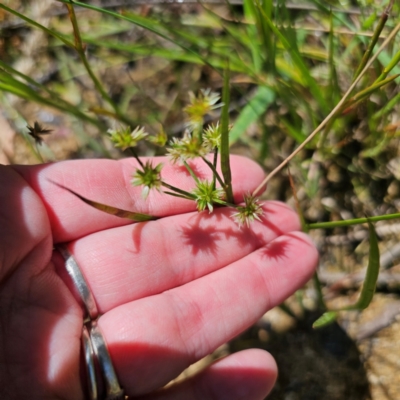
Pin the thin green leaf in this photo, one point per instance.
(134, 216)
(144, 22)
(325, 319)
(349, 222)
(333, 78)
(390, 64)
(9, 84)
(371, 277)
(256, 107)
(363, 94)
(298, 62)
(381, 24)
(39, 26)
(387, 108)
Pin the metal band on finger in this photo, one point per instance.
(80, 283)
(88, 355)
(113, 389)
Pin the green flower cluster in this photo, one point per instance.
(149, 177)
(125, 138)
(252, 210)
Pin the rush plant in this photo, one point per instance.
(263, 47)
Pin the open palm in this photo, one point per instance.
(170, 291)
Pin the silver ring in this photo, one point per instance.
(113, 389)
(80, 283)
(89, 362)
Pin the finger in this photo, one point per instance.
(135, 261)
(24, 225)
(249, 375)
(108, 182)
(180, 326)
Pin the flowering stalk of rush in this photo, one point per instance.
(206, 194)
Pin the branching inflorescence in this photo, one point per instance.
(197, 142)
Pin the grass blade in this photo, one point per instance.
(298, 62)
(256, 107)
(382, 21)
(371, 277)
(37, 25)
(327, 318)
(9, 84)
(355, 221)
(137, 217)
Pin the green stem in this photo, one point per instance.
(180, 191)
(215, 172)
(318, 288)
(349, 222)
(215, 160)
(79, 47)
(191, 172)
(225, 153)
(132, 150)
(382, 21)
(393, 62)
(37, 25)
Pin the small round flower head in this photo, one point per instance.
(212, 137)
(206, 195)
(251, 210)
(186, 148)
(125, 138)
(201, 105)
(149, 178)
(160, 139)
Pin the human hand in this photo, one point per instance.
(170, 291)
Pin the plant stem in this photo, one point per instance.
(80, 48)
(382, 21)
(132, 150)
(177, 190)
(215, 172)
(349, 222)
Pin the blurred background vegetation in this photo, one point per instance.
(135, 62)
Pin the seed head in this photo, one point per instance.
(186, 148)
(149, 177)
(206, 195)
(251, 210)
(125, 138)
(199, 106)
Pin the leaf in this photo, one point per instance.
(325, 319)
(369, 285)
(371, 277)
(262, 99)
(298, 62)
(137, 217)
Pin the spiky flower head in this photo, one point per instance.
(199, 106)
(186, 148)
(149, 177)
(212, 137)
(36, 131)
(160, 139)
(206, 195)
(125, 138)
(251, 210)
